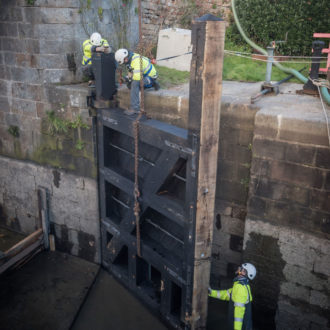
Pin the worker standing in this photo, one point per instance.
(133, 64)
(239, 297)
(94, 44)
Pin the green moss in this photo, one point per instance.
(13, 130)
(62, 152)
(100, 13)
(18, 150)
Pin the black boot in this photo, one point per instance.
(156, 85)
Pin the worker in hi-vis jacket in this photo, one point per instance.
(239, 297)
(148, 72)
(94, 44)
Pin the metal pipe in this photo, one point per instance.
(297, 74)
(270, 59)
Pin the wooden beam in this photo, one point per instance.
(204, 124)
(19, 256)
(23, 243)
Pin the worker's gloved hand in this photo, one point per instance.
(130, 75)
(100, 49)
(209, 290)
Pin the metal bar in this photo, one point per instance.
(164, 231)
(175, 270)
(120, 202)
(179, 177)
(141, 159)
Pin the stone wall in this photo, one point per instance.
(287, 227)
(162, 14)
(40, 45)
(40, 50)
(73, 205)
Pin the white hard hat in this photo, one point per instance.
(96, 39)
(120, 55)
(250, 269)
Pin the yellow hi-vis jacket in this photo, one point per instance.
(147, 68)
(241, 297)
(87, 49)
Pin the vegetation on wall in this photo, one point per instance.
(119, 15)
(13, 130)
(58, 126)
(267, 20)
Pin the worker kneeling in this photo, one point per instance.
(94, 44)
(239, 297)
(133, 64)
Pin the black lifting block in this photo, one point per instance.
(104, 68)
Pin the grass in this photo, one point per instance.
(234, 68)
(171, 77)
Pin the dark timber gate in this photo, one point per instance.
(177, 178)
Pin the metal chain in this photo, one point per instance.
(137, 194)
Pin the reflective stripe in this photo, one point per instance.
(148, 69)
(228, 293)
(248, 294)
(87, 60)
(238, 319)
(218, 294)
(239, 304)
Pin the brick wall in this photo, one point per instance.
(161, 14)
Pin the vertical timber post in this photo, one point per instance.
(208, 35)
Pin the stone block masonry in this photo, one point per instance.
(73, 205)
(287, 227)
(40, 45)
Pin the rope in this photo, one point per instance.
(249, 56)
(325, 113)
(228, 52)
(318, 83)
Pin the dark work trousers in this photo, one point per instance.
(87, 71)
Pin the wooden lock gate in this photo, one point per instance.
(177, 181)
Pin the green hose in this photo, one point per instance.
(297, 74)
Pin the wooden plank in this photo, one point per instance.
(208, 38)
(23, 243)
(22, 254)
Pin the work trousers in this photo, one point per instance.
(135, 92)
(87, 71)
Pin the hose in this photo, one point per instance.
(297, 74)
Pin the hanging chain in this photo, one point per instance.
(137, 194)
